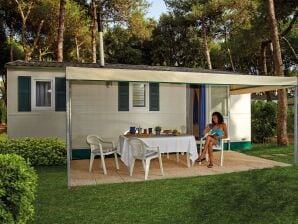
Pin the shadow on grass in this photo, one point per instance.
(263, 196)
(258, 196)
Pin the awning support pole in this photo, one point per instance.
(296, 126)
(68, 129)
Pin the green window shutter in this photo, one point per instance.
(123, 96)
(60, 94)
(24, 93)
(154, 96)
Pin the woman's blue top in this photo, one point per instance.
(217, 132)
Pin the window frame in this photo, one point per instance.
(33, 94)
(145, 95)
(139, 109)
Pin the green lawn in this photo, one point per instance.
(260, 196)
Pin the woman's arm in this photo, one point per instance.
(207, 129)
(225, 129)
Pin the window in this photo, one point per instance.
(43, 94)
(42, 97)
(219, 99)
(139, 95)
(134, 97)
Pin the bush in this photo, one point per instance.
(263, 120)
(17, 189)
(39, 151)
(291, 122)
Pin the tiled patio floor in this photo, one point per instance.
(233, 162)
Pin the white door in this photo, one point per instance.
(218, 101)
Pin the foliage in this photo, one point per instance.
(263, 121)
(3, 137)
(175, 42)
(17, 189)
(3, 112)
(121, 47)
(239, 27)
(39, 151)
(157, 128)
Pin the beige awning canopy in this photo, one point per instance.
(239, 83)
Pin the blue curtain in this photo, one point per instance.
(195, 109)
(202, 110)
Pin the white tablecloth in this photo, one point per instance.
(166, 144)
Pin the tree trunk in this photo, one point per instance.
(30, 49)
(206, 47)
(77, 49)
(291, 48)
(25, 10)
(39, 55)
(23, 38)
(60, 38)
(263, 59)
(229, 50)
(263, 65)
(231, 59)
(282, 138)
(93, 31)
(11, 42)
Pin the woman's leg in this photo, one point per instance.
(205, 148)
(212, 142)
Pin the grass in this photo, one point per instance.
(269, 151)
(259, 196)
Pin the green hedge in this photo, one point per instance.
(39, 151)
(263, 120)
(17, 188)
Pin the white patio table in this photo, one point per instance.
(166, 144)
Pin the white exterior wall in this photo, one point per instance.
(240, 118)
(95, 111)
(236, 110)
(37, 123)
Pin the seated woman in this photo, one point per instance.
(213, 133)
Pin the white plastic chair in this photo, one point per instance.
(216, 148)
(140, 150)
(101, 148)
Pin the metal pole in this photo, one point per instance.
(296, 126)
(100, 31)
(102, 57)
(68, 130)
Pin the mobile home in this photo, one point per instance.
(109, 100)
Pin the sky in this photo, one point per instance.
(156, 9)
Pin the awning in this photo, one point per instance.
(239, 83)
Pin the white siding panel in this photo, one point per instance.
(95, 111)
(35, 123)
(240, 118)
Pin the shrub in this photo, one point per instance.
(39, 151)
(17, 189)
(291, 122)
(263, 120)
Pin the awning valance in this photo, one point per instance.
(239, 83)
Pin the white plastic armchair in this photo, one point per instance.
(140, 150)
(216, 147)
(101, 148)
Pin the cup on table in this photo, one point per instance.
(132, 130)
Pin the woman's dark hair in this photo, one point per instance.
(219, 116)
